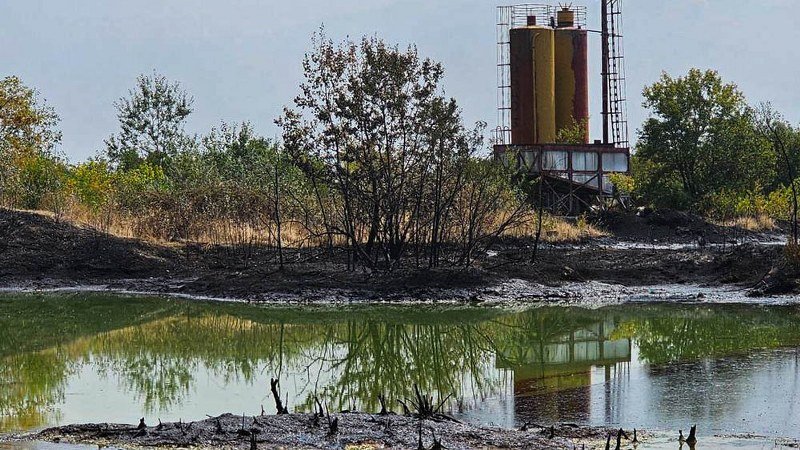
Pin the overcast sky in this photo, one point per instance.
(240, 59)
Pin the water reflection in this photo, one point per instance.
(552, 362)
(92, 358)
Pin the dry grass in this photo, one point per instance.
(217, 232)
(220, 232)
(756, 224)
(557, 230)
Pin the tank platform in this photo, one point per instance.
(575, 178)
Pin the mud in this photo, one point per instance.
(39, 253)
(314, 432)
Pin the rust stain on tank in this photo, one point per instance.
(580, 68)
(523, 108)
(572, 79)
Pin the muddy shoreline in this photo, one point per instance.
(309, 431)
(643, 258)
(38, 253)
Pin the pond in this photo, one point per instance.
(76, 358)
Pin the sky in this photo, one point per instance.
(241, 59)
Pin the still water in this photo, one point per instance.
(88, 358)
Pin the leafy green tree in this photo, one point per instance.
(28, 136)
(151, 120)
(43, 182)
(25, 121)
(785, 143)
(93, 183)
(237, 155)
(132, 186)
(700, 139)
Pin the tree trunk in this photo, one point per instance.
(278, 217)
(539, 218)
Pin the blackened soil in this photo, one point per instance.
(309, 431)
(37, 251)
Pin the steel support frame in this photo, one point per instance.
(566, 191)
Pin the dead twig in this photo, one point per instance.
(282, 409)
(382, 400)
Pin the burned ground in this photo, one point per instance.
(38, 251)
(353, 430)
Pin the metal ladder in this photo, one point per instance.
(618, 113)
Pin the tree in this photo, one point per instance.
(700, 140)
(92, 182)
(151, 120)
(93, 185)
(28, 136)
(25, 121)
(372, 125)
(42, 183)
(785, 142)
(488, 204)
(574, 134)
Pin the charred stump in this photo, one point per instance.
(282, 409)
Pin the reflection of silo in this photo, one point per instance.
(571, 73)
(532, 85)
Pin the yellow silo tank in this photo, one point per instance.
(571, 74)
(544, 82)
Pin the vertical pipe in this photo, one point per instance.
(604, 39)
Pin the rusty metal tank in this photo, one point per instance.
(571, 74)
(533, 101)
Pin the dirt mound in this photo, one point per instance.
(669, 226)
(37, 251)
(37, 245)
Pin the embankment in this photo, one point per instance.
(39, 252)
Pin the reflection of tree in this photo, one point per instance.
(28, 383)
(365, 352)
(158, 361)
(30, 322)
(389, 358)
(346, 356)
(671, 333)
(34, 367)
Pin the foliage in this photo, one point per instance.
(731, 204)
(625, 184)
(92, 183)
(785, 143)
(151, 123)
(574, 134)
(701, 127)
(372, 125)
(42, 178)
(25, 122)
(28, 135)
(133, 185)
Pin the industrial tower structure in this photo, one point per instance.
(543, 92)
